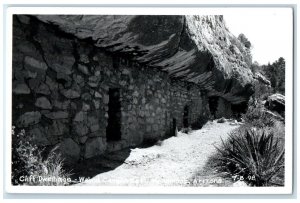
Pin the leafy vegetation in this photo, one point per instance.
(275, 73)
(256, 155)
(30, 168)
(244, 40)
(257, 117)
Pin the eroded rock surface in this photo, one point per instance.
(79, 80)
(276, 102)
(198, 49)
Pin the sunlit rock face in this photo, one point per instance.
(197, 49)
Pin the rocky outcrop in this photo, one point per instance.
(261, 78)
(198, 49)
(79, 80)
(276, 102)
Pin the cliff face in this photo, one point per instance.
(197, 49)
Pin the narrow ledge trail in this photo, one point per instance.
(172, 162)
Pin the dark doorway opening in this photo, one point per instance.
(186, 117)
(174, 127)
(113, 129)
(239, 109)
(213, 105)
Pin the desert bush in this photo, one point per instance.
(28, 161)
(253, 154)
(257, 117)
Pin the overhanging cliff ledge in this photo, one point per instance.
(196, 49)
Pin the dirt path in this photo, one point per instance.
(171, 163)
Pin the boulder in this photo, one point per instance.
(29, 118)
(261, 78)
(221, 120)
(276, 102)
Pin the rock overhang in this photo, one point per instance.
(196, 49)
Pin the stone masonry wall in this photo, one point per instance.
(61, 93)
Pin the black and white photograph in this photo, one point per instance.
(167, 100)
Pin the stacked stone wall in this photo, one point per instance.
(61, 93)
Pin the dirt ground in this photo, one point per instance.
(172, 162)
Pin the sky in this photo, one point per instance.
(269, 30)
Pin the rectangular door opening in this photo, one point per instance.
(174, 127)
(186, 117)
(113, 129)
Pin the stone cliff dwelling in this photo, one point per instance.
(96, 84)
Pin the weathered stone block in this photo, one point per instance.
(80, 116)
(94, 127)
(84, 58)
(43, 89)
(126, 71)
(83, 139)
(34, 63)
(135, 101)
(80, 129)
(122, 83)
(57, 115)
(79, 80)
(86, 96)
(70, 93)
(21, 89)
(58, 127)
(30, 74)
(94, 146)
(43, 102)
(96, 104)
(33, 83)
(70, 149)
(85, 107)
(63, 77)
(148, 128)
(29, 118)
(39, 137)
(51, 84)
(84, 69)
(98, 95)
(105, 99)
(61, 105)
(155, 127)
(61, 64)
(135, 94)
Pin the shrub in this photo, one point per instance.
(27, 160)
(257, 117)
(255, 155)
